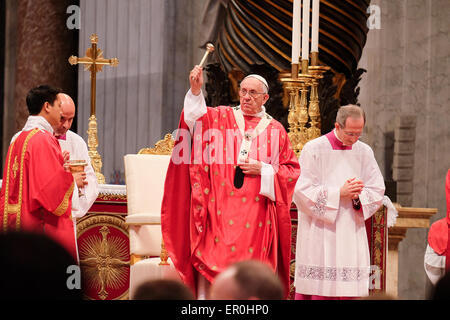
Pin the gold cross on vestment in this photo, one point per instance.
(94, 62)
(15, 167)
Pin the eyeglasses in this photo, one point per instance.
(252, 93)
(353, 134)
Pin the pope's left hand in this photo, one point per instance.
(251, 166)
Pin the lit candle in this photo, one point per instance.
(315, 26)
(305, 30)
(296, 21)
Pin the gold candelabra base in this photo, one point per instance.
(304, 120)
(298, 110)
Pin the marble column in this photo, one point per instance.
(37, 45)
(407, 63)
(43, 44)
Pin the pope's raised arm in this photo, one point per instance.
(194, 102)
(196, 80)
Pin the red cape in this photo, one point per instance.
(175, 214)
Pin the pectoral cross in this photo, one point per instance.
(94, 63)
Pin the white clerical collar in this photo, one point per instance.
(37, 122)
(258, 115)
(334, 131)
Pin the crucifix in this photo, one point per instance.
(94, 63)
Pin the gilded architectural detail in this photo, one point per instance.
(162, 147)
(104, 254)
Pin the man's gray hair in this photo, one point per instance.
(261, 79)
(347, 111)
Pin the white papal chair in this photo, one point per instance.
(145, 174)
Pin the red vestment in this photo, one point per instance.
(438, 236)
(37, 192)
(207, 223)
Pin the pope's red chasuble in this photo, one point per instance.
(37, 191)
(207, 222)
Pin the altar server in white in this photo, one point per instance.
(340, 186)
(76, 147)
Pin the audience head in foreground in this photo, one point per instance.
(163, 289)
(34, 267)
(247, 280)
(442, 289)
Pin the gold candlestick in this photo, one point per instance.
(314, 131)
(314, 58)
(295, 68)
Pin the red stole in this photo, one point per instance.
(439, 234)
(207, 223)
(37, 191)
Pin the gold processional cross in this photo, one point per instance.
(94, 62)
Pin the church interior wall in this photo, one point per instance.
(141, 100)
(407, 74)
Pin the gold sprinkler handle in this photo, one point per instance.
(209, 48)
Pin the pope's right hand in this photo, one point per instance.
(196, 80)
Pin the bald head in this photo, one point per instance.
(67, 114)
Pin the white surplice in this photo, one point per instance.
(332, 253)
(78, 151)
(434, 265)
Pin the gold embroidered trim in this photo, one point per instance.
(62, 208)
(13, 208)
(16, 208)
(6, 205)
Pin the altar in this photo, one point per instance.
(103, 246)
(103, 243)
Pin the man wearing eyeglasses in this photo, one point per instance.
(340, 186)
(234, 197)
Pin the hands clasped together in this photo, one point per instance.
(352, 189)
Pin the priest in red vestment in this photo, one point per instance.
(37, 190)
(229, 186)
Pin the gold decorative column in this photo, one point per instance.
(297, 86)
(96, 160)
